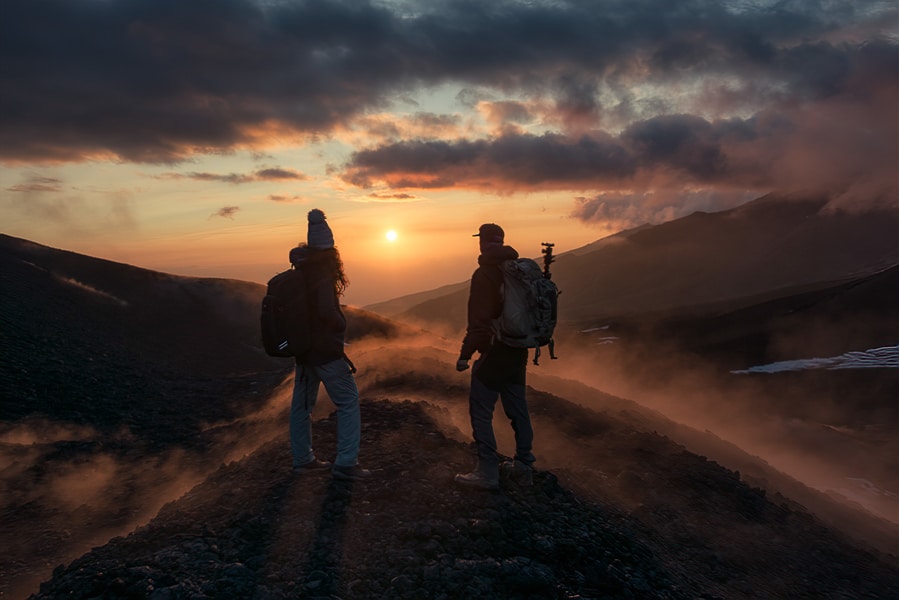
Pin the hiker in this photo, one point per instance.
(499, 371)
(325, 361)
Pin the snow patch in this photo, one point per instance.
(886, 357)
(594, 329)
(601, 341)
(91, 289)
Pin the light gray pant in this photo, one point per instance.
(341, 388)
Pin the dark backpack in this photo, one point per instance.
(530, 307)
(285, 315)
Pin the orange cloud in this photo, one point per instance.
(269, 174)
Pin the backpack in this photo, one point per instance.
(285, 319)
(530, 307)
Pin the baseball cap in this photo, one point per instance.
(490, 232)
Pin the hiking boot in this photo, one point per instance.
(352, 472)
(477, 480)
(312, 466)
(518, 472)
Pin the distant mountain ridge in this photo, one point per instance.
(397, 306)
(765, 247)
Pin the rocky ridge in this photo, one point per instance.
(254, 530)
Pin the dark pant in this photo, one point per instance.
(481, 403)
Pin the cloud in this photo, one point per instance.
(831, 144)
(513, 161)
(233, 178)
(713, 95)
(507, 111)
(628, 210)
(389, 128)
(282, 198)
(37, 184)
(169, 79)
(269, 174)
(578, 102)
(399, 197)
(226, 211)
(277, 174)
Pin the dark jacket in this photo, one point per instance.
(327, 320)
(500, 363)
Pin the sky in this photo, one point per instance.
(193, 136)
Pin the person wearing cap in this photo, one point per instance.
(498, 373)
(325, 362)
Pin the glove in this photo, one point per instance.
(461, 364)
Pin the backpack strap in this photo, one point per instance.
(552, 351)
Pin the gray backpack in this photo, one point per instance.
(530, 307)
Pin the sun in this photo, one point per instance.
(390, 235)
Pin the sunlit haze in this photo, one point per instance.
(195, 143)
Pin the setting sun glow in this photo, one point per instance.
(390, 235)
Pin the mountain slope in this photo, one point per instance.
(760, 249)
(763, 246)
(397, 306)
(855, 315)
(82, 320)
(119, 387)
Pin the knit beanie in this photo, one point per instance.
(319, 235)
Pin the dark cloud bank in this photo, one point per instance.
(814, 85)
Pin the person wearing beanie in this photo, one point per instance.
(325, 362)
(498, 373)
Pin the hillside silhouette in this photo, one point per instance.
(768, 248)
(117, 386)
(144, 442)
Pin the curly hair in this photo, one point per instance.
(340, 279)
(334, 265)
